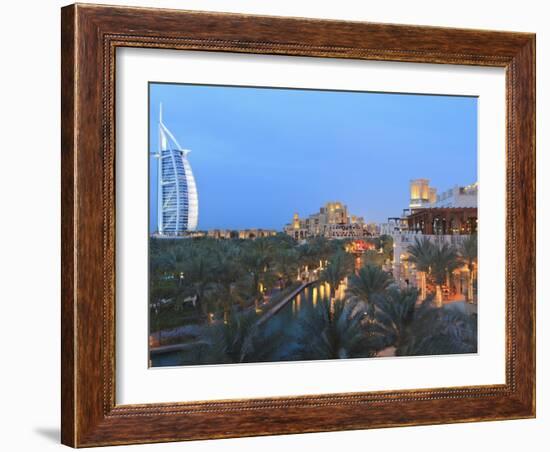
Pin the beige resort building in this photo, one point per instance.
(448, 217)
(332, 222)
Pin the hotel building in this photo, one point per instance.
(332, 221)
(451, 212)
(465, 196)
(421, 193)
(177, 197)
(449, 217)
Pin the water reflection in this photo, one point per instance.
(314, 296)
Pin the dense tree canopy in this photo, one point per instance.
(223, 288)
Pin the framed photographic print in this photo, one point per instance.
(281, 225)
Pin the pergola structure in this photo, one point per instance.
(443, 220)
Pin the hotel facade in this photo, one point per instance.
(177, 197)
(449, 217)
(332, 222)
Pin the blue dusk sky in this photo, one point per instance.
(261, 154)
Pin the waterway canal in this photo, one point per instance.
(285, 324)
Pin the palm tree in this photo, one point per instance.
(333, 330)
(308, 256)
(395, 311)
(237, 341)
(438, 261)
(286, 264)
(338, 268)
(161, 295)
(322, 248)
(263, 246)
(227, 274)
(385, 242)
(255, 263)
(368, 281)
(421, 255)
(373, 257)
(468, 254)
(316, 250)
(436, 331)
(198, 272)
(444, 262)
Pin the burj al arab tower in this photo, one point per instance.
(177, 203)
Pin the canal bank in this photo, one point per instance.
(281, 304)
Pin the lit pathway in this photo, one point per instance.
(275, 309)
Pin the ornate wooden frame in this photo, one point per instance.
(90, 35)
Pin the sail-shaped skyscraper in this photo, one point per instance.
(177, 198)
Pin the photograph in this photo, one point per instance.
(289, 224)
